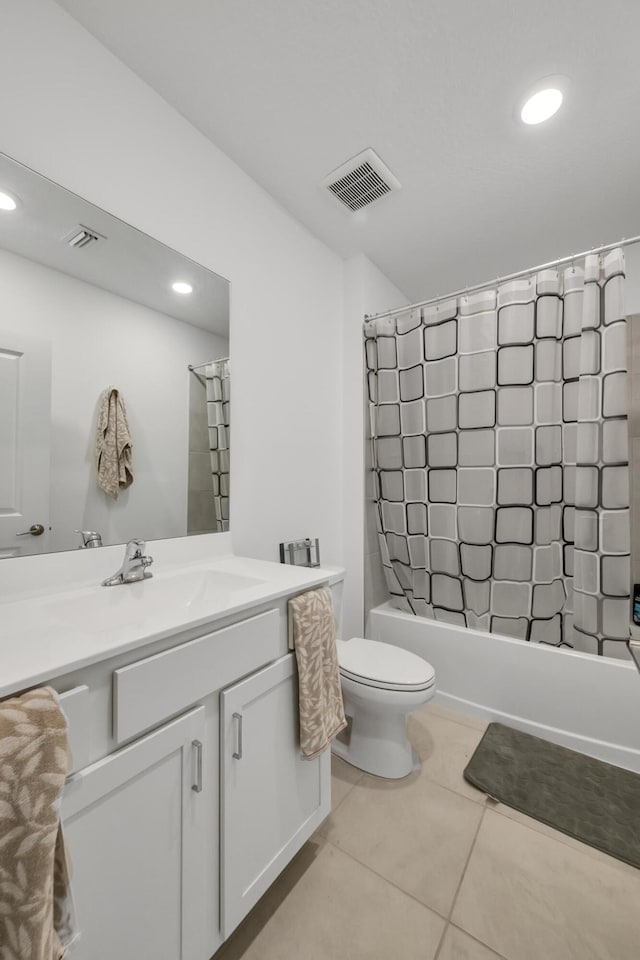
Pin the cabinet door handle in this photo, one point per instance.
(237, 754)
(197, 747)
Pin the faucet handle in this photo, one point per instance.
(135, 546)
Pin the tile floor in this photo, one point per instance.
(428, 869)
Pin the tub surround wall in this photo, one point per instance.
(76, 114)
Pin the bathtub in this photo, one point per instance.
(587, 703)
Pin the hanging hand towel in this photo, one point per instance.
(312, 634)
(36, 913)
(113, 444)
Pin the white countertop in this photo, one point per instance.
(44, 635)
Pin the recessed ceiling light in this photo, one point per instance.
(541, 105)
(7, 202)
(180, 287)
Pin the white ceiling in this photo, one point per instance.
(126, 262)
(291, 88)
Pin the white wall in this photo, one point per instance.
(367, 290)
(99, 339)
(76, 114)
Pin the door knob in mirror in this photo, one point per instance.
(35, 530)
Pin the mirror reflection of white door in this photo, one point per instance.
(25, 429)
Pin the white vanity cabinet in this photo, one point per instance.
(134, 823)
(271, 800)
(189, 793)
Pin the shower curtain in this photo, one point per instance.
(218, 383)
(500, 453)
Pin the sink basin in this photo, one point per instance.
(161, 597)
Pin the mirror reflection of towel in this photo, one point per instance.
(113, 444)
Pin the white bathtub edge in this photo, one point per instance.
(610, 752)
(586, 703)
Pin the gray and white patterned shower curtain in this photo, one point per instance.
(218, 413)
(500, 452)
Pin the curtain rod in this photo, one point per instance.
(510, 276)
(196, 366)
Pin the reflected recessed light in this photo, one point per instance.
(541, 105)
(181, 287)
(7, 202)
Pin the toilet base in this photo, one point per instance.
(377, 741)
(341, 750)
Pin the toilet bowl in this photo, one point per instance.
(381, 685)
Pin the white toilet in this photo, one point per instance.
(381, 685)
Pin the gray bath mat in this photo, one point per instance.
(584, 798)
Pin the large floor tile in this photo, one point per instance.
(326, 906)
(528, 896)
(412, 832)
(343, 778)
(458, 945)
(445, 747)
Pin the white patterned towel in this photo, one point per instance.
(312, 634)
(36, 912)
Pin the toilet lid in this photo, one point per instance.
(383, 665)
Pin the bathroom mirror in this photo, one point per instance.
(114, 378)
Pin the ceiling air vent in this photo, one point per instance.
(83, 237)
(361, 181)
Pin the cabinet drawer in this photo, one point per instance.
(147, 692)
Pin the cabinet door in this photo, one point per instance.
(133, 824)
(271, 799)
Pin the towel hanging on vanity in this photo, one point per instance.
(36, 911)
(312, 634)
(113, 444)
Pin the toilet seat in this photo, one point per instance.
(383, 665)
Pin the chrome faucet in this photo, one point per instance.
(90, 538)
(134, 566)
